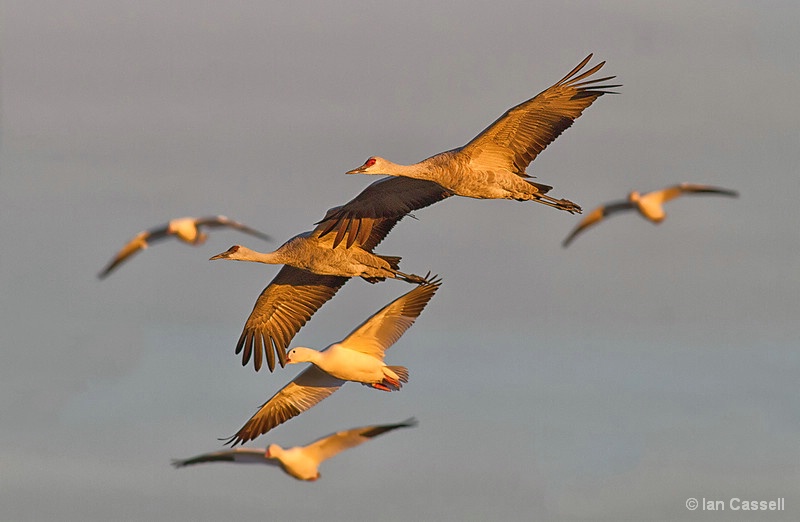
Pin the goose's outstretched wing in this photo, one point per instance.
(306, 390)
(595, 216)
(237, 455)
(386, 326)
(329, 446)
(138, 243)
(222, 221)
(674, 191)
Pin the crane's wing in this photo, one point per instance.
(689, 188)
(390, 197)
(139, 242)
(306, 390)
(385, 327)
(367, 234)
(518, 136)
(237, 455)
(222, 221)
(326, 447)
(283, 307)
(595, 216)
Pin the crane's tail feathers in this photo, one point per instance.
(394, 261)
(543, 189)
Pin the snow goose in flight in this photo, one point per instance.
(649, 205)
(314, 271)
(300, 462)
(358, 358)
(187, 229)
(492, 165)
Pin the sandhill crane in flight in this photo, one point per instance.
(314, 271)
(492, 165)
(300, 462)
(357, 358)
(649, 205)
(187, 229)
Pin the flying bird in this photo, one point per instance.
(300, 462)
(649, 205)
(314, 271)
(357, 358)
(492, 165)
(187, 229)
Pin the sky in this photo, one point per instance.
(614, 380)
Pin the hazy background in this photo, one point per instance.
(612, 380)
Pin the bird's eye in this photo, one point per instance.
(370, 162)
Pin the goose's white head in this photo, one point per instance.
(273, 450)
(373, 165)
(300, 354)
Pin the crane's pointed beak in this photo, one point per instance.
(226, 254)
(359, 170)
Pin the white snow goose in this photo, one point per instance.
(187, 229)
(650, 205)
(300, 462)
(358, 358)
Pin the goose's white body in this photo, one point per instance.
(492, 165)
(358, 358)
(649, 205)
(348, 364)
(300, 462)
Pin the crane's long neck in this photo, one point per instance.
(419, 170)
(240, 253)
(268, 258)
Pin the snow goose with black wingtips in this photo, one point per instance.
(187, 229)
(300, 462)
(650, 205)
(357, 358)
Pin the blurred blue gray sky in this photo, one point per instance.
(613, 380)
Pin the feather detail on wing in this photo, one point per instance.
(390, 198)
(283, 307)
(519, 135)
(306, 390)
(385, 327)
